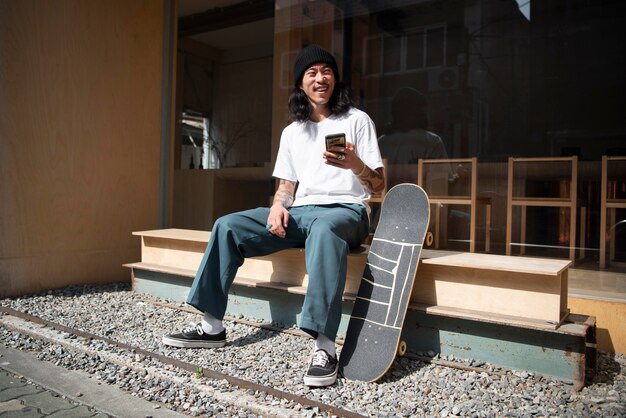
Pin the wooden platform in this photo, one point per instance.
(509, 311)
(520, 290)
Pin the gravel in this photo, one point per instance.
(278, 359)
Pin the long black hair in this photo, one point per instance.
(300, 107)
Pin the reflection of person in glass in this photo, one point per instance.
(407, 137)
(327, 214)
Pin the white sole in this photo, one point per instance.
(192, 344)
(320, 381)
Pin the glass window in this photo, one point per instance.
(373, 61)
(392, 54)
(435, 47)
(415, 50)
(494, 80)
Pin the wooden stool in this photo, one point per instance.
(523, 202)
(608, 201)
(471, 200)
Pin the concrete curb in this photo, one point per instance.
(77, 386)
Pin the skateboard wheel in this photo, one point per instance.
(402, 348)
(429, 239)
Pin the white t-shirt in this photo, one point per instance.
(300, 158)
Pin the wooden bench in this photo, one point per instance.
(508, 290)
(507, 311)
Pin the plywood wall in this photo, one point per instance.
(610, 329)
(80, 103)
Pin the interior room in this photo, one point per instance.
(494, 80)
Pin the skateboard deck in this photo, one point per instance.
(375, 326)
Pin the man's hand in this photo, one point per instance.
(278, 218)
(346, 158)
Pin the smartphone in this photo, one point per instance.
(335, 140)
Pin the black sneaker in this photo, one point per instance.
(195, 337)
(322, 370)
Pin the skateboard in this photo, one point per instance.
(373, 335)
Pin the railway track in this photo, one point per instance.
(42, 329)
(244, 392)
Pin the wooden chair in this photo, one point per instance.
(568, 202)
(472, 200)
(608, 202)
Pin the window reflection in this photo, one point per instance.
(494, 79)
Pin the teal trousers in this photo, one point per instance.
(327, 232)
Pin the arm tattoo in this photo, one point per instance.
(372, 180)
(284, 196)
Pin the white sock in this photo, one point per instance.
(211, 325)
(325, 343)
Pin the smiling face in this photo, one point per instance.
(318, 83)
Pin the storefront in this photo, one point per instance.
(522, 100)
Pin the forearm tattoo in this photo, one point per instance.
(283, 196)
(372, 179)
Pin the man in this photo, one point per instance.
(328, 214)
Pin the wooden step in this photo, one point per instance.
(241, 281)
(183, 249)
(515, 290)
(521, 287)
(180, 248)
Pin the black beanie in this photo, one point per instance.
(310, 55)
